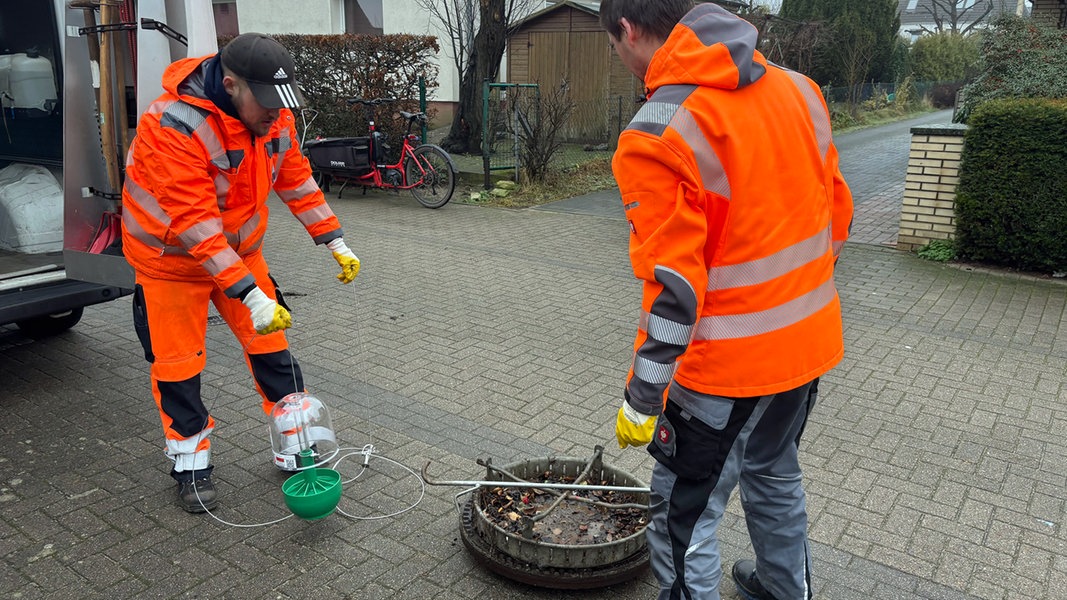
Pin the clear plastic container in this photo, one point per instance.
(301, 432)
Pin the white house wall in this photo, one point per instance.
(404, 16)
(286, 16)
(327, 16)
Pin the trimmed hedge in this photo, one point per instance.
(1011, 204)
(331, 68)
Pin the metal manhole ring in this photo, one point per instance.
(558, 555)
(546, 577)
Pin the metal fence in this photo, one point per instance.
(589, 132)
(593, 126)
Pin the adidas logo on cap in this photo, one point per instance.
(280, 74)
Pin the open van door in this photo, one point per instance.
(106, 89)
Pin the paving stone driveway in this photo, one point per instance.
(936, 460)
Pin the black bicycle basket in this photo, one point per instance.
(341, 156)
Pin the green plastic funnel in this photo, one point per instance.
(313, 494)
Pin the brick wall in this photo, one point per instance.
(1049, 12)
(928, 211)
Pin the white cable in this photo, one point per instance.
(367, 451)
(242, 525)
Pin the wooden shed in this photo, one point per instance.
(565, 42)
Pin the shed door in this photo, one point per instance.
(583, 59)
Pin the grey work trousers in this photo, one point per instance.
(704, 447)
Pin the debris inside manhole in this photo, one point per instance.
(580, 518)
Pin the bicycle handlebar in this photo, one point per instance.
(372, 102)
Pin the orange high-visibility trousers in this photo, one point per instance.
(170, 317)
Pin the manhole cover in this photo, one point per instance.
(595, 557)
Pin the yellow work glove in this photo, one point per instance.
(633, 428)
(267, 315)
(348, 261)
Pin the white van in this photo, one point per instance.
(59, 188)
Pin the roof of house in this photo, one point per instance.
(914, 13)
(593, 6)
(587, 6)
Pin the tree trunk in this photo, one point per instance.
(465, 136)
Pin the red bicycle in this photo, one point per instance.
(424, 169)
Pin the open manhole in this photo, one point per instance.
(588, 539)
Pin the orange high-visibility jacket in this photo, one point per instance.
(197, 182)
(737, 211)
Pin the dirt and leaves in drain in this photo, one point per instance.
(580, 519)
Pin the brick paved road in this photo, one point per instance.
(936, 460)
(873, 162)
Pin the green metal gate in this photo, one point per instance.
(501, 120)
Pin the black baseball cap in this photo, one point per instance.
(267, 67)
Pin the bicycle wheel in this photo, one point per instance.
(433, 174)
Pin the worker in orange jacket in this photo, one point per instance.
(206, 155)
(737, 213)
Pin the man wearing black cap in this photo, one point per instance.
(206, 156)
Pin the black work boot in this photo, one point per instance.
(197, 495)
(748, 584)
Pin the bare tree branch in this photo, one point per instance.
(955, 13)
(478, 31)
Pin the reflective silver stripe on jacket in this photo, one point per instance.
(314, 215)
(134, 228)
(245, 230)
(664, 109)
(195, 234)
(728, 327)
(200, 232)
(838, 245)
(222, 189)
(819, 118)
(146, 201)
(657, 374)
(192, 121)
(668, 325)
(309, 186)
(284, 142)
(665, 330)
(221, 261)
(712, 173)
(770, 267)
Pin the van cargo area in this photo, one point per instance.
(39, 227)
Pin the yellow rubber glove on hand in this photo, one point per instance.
(633, 428)
(267, 315)
(344, 257)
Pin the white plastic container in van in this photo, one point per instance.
(31, 82)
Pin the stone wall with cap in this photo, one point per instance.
(928, 211)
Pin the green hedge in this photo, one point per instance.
(1021, 58)
(1011, 204)
(331, 68)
